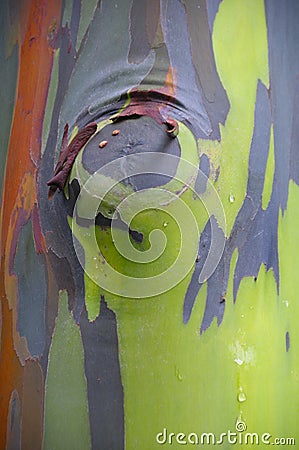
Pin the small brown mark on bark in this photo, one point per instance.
(103, 144)
(31, 40)
(52, 34)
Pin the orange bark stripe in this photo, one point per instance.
(39, 23)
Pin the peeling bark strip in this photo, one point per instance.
(152, 104)
(172, 127)
(68, 155)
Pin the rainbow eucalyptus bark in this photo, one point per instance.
(213, 83)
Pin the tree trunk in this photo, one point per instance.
(108, 339)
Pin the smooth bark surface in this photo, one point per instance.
(82, 367)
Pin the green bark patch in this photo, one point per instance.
(241, 54)
(66, 422)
